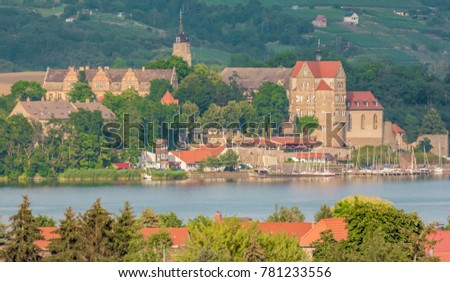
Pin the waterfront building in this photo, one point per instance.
(189, 160)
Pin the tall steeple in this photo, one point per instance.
(181, 46)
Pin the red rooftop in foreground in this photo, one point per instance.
(336, 225)
(442, 247)
(178, 235)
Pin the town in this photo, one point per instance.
(173, 120)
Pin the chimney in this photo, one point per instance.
(99, 68)
(143, 68)
(28, 99)
(218, 216)
(86, 67)
(43, 99)
(106, 67)
(88, 101)
(81, 68)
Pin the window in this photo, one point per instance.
(357, 104)
(375, 121)
(363, 121)
(50, 96)
(99, 85)
(349, 125)
(336, 98)
(367, 104)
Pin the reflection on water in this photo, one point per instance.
(255, 198)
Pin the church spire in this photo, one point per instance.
(180, 30)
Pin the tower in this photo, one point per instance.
(181, 46)
(318, 52)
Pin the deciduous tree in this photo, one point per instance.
(283, 214)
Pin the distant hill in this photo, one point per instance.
(35, 33)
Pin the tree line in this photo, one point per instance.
(377, 231)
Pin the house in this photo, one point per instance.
(59, 82)
(190, 159)
(316, 157)
(251, 79)
(320, 21)
(168, 99)
(351, 18)
(336, 225)
(120, 166)
(179, 236)
(364, 119)
(442, 247)
(295, 229)
(43, 110)
(48, 234)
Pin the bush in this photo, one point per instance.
(102, 173)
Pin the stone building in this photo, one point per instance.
(365, 119)
(59, 82)
(318, 89)
(181, 46)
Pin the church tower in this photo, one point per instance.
(181, 46)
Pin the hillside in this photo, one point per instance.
(35, 33)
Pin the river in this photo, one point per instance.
(429, 196)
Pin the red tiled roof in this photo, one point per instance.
(297, 229)
(122, 165)
(336, 225)
(323, 86)
(168, 99)
(362, 100)
(321, 18)
(195, 156)
(313, 155)
(397, 129)
(178, 235)
(318, 69)
(48, 234)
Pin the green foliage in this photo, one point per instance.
(70, 246)
(432, 123)
(27, 89)
(81, 92)
(98, 236)
(307, 124)
(23, 232)
(3, 233)
(101, 173)
(254, 252)
(271, 100)
(424, 145)
(159, 87)
(149, 219)
(125, 230)
(155, 249)
(229, 160)
(447, 227)
(282, 248)
(169, 219)
(283, 214)
(181, 67)
(324, 212)
(169, 174)
(44, 221)
(88, 122)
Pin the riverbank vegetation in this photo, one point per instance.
(100, 174)
(377, 231)
(168, 174)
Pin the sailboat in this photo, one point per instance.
(439, 169)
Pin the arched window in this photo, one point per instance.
(349, 125)
(375, 121)
(363, 121)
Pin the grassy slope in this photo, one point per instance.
(380, 34)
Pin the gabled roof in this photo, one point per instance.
(362, 100)
(56, 75)
(178, 235)
(349, 14)
(323, 86)
(147, 75)
(61, 109)
(323, 69)
(336, 225)
(48, 234)
(195, 156)
(253, 78)
(297, 229)
(397, 129)
(321, 18)
(168, 99)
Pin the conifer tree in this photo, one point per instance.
(69, 246)
(254, 252)
(24, 231)
(149, 219)
(97, 233)
(125, 230)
